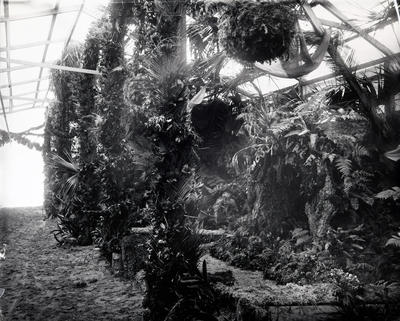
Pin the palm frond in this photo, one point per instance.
(63, 165)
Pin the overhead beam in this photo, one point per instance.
(40, 14)
(355, 68)
(7, 30)
(24, 98)
(46, 65)
(81, 8)
(75, 24)
(31, 44)
(336, 25)
(46, 47)
(23, 109)
(373, 28)
(338, 14)
(27, 93)
(325, 77)
(23, 82)
(4, 113)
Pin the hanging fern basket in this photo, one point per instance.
(254, 31)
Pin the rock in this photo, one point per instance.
(245, 311)
(116, 263)
(134, 250)
(224, 277)
(80, 284)
(140, 281)
(251, 297)
(211, 235)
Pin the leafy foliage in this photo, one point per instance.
(394, 240)
(393, 193)
(154, 140)
(258, 31)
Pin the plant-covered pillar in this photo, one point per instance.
(110, 103)
(87, 94)
(173, 252)
(114, 168)
(59, 132)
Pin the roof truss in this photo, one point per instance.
(32, 97)
(36, 100)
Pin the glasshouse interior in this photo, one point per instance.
(215, 160)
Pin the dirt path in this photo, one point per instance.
(45, 282)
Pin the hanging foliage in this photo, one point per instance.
(258, 31)
(4, 138)
(19, 138)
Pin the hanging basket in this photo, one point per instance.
(254, 31)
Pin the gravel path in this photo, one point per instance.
(45, 282)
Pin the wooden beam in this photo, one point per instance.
(30, 44)
(23, 82)
(47, 65)
(40, 14)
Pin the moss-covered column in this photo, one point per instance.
(87, 94)
(174, 251)
(59, 132)
(110, 103)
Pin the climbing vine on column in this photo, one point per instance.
(174, 251)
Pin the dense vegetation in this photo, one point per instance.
(300, 182)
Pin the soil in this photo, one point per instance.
(44, 281)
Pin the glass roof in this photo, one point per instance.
(33, 33)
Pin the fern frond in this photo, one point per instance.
(393, 193)
(394, 240)
(359, 152)
(301, 236)
(344, 166)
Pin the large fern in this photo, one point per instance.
(393, 193)
(394, 241)
(344, 166)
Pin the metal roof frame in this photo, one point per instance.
(20, 64)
